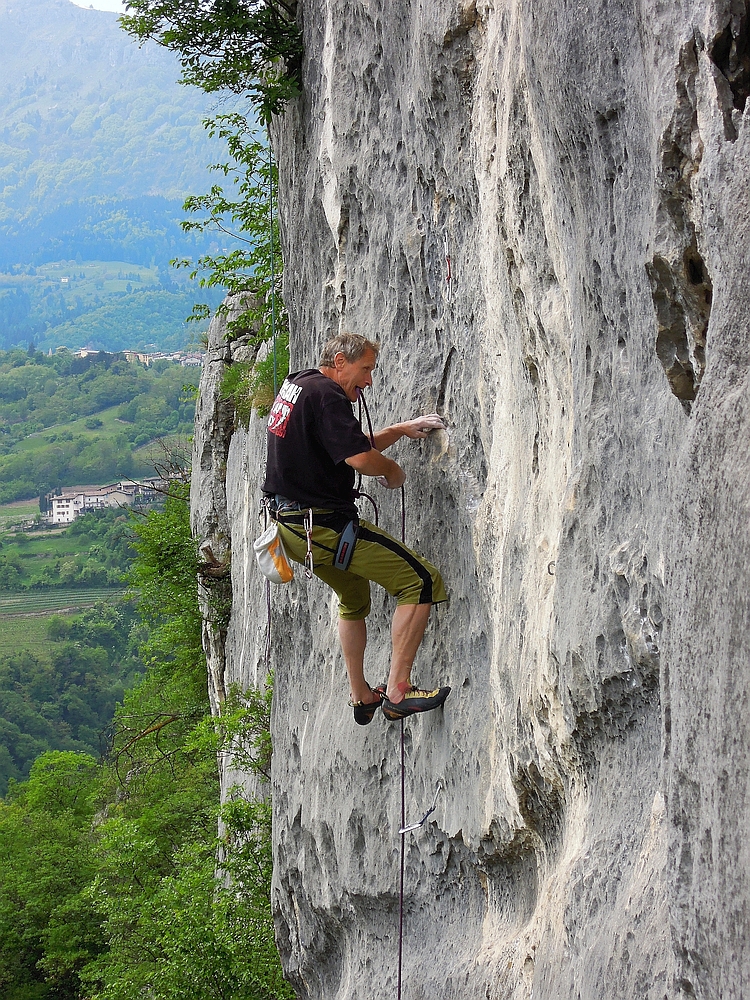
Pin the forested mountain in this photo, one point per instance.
(104, 305)
(99, 146)
(97, 139)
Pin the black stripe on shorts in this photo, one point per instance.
(387, 542)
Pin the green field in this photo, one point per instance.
(67, 421)
(40, 439)
(12, 514)
(86, 280)
(89, 429)
(23, 632)
(16, 606)
(24, 617)
(88, 557)
(35, 551)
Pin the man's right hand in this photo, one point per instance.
(373, 463)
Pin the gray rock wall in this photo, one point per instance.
(584, 165)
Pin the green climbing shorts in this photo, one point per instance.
(377, 557)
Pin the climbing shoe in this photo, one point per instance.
(415, 700)
(365, 713)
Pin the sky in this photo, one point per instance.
(116, 5)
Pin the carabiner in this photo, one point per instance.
(309, 565)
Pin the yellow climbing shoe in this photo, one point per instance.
(415, 700)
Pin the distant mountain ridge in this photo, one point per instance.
(99, 146)
(75, 85)
(90, 126)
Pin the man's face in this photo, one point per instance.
(354, 375)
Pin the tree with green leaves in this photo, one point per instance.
(115, 882)
(251, 270)
(254, 48)
(48, 928)
(251, 47)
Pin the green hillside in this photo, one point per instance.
(105, 305)
(62, 694)
(99, 147)
(97, 139)
(68, 421)
(132, 321)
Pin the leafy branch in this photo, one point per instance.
(249, 47)
(253, 271)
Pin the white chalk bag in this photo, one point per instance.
(272, 559)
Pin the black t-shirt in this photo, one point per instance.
(311, 431)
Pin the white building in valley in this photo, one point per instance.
(66, 505)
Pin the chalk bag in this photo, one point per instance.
(271, 557)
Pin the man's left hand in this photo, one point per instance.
(420, 427)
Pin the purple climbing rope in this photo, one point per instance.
(402, 831)
(403, 802)
(267, 656)
(403, 850)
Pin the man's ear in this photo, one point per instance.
(339, 360)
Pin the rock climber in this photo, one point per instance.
(315, 448)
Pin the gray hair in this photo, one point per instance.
(351, 345)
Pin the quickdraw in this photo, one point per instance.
(449, 275)
(309, 563)
(430, 811)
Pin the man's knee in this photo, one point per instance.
(352, 591)
(421, 590)
(354, 603)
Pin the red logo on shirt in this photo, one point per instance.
(281, 410)
(279, 417)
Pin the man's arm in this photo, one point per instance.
(420, 427)
(372, 463)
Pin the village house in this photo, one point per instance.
(65, 505)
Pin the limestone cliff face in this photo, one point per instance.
(542, 210)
